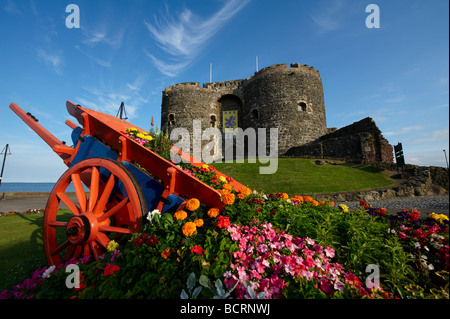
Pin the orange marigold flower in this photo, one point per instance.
(189, 229)
(315, 203)
(165, 253)
(284, 196)
(180, 215)
(192, 204)
(307, 199)
(228, 199)
(244, 191)
(298, 198)
(198, 222)
(213, 212)
(227, 187)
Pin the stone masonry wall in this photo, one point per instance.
(361, 141)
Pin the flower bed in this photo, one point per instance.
(262, 246)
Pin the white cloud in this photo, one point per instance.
(183, 36)
(106, 64)
(329, 16)
(108, 99)
(53, 60)
(434, 136)
(404, 130)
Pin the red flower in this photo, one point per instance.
(197, 250)
(110, 270)
(223, 222)
(414, 215)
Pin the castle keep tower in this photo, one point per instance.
(290, 99)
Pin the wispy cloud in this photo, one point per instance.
(183, 36)
(404, 130)
(329, 16)
(11, 7)
(108, 99)
(54, 60)
(103, 36)
(106, 64)
(433, 136)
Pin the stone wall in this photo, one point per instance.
(361, 141)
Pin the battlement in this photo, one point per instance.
(224, 84)
(185, 85)
(293, 67)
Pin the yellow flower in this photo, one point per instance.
(344, 208)
(148, 137)
(180, 215)
(189, 229)
(198, 222)
(222, 179)
(165, 253)
(434, 216)
(140, 135)
(213, 212)
(192, 204)
(205, 166)
(112, 245)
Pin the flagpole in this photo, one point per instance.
(210, 73)
(257, 64)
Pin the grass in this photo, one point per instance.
(21, 246)
(303, 176)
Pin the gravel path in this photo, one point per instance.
(425, 204)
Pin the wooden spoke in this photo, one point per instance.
(114, 210)
(101, 205)
(69, 203)
(59, 248)
(79, 191)
(57, 224)
(113, 229)
(95, 184)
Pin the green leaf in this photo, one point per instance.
(191, 281)
(204, 281)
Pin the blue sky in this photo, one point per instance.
(130, 51)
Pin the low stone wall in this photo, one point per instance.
(416, 181)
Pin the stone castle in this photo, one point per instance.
(288, 98)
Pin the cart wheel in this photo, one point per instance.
(113, 208)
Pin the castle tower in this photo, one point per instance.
(290, 99)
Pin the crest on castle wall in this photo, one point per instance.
(230, 124)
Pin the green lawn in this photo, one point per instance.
(303, 176)
(21, 248)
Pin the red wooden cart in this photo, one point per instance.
(113, 195)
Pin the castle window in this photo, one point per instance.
(213, 121)
(302, 106)
(254, 114)
(171, 119)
